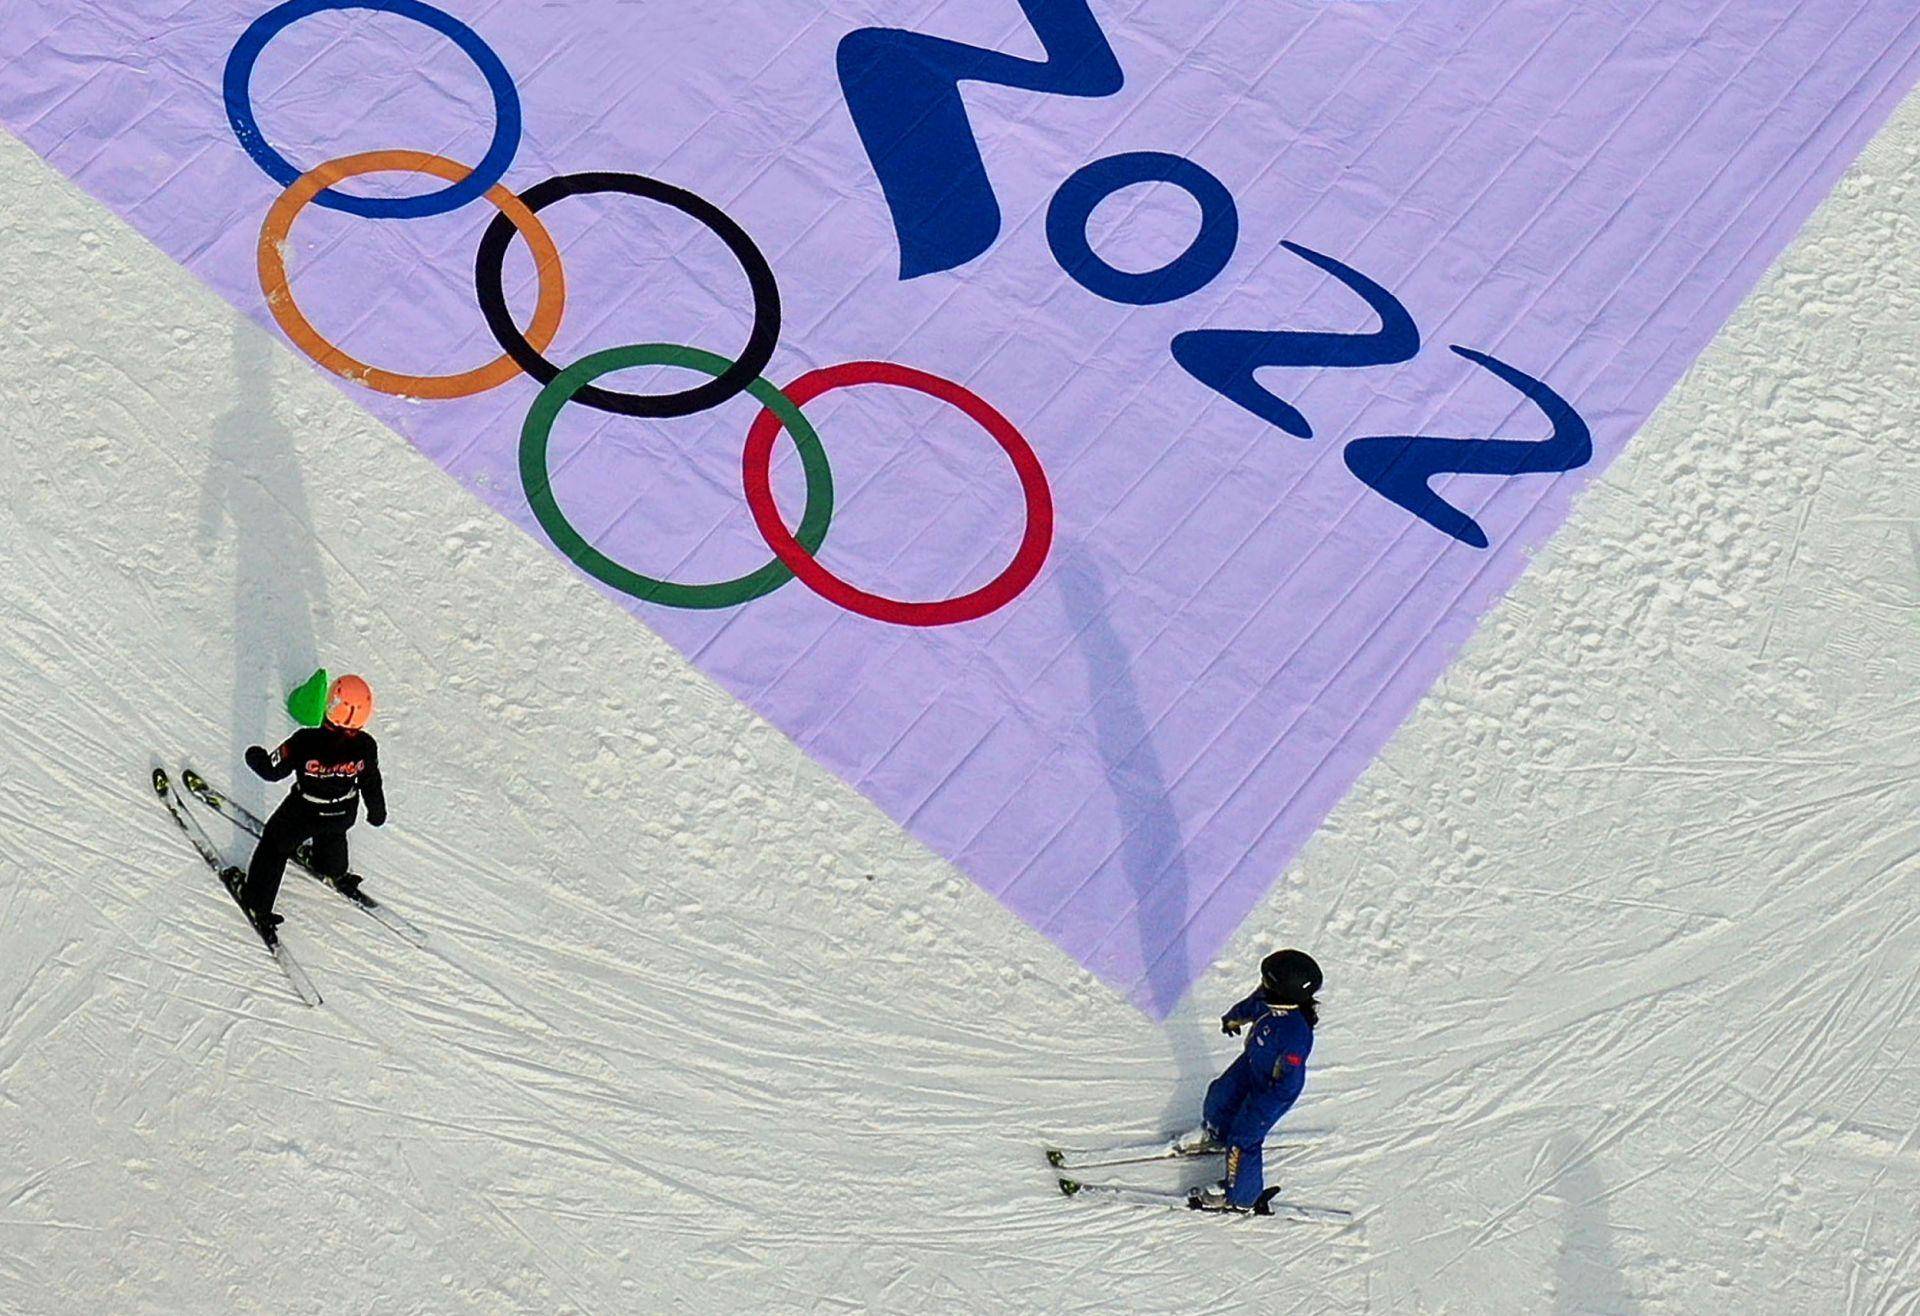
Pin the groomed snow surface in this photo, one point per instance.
(1622, 932)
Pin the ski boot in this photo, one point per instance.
(1213, 1197)
(1197, 1142)
(1209, 1197)
(235, 880)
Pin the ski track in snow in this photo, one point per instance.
(1623, 930)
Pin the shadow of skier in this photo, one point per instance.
(254, 488)
(1588, 1279)
(1151, 852)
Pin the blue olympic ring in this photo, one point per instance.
(1189, 272)
(491, 169)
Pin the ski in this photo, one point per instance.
(1270, 1205)
(1184, 1146)
(229, 878)
(348, 887)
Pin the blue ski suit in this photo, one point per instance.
(1245, 1102)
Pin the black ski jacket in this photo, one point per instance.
(332, 768)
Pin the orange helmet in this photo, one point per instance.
(349, 703)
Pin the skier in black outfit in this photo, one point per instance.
(333, 766)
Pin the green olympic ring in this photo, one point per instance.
(536, 480)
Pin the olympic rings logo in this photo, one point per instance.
(795, 551)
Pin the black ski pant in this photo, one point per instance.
(296, 820)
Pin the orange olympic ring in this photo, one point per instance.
(273, 276)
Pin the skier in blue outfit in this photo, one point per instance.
(1261, 1085)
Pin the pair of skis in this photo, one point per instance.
(348, 887)
(232, 878)
(1072, 1161)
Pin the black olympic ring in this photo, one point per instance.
(490, 265)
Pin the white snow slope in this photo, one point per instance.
(1622, 931)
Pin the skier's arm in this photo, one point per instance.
(372, 790)
(276, 766)
(1244, 1013)
(1277, 1054)
(1289, 1076)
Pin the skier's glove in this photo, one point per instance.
(260, 761)
(1231, 1026)
(376, 819)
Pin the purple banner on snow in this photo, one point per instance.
(1172, 386)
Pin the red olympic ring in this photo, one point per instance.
(757, 470)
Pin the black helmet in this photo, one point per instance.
(1289, 977)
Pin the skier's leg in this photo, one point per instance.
(1245, 1139)
(1245, 1175)
(278, 840)
(1224, 1096)
(330, 851)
